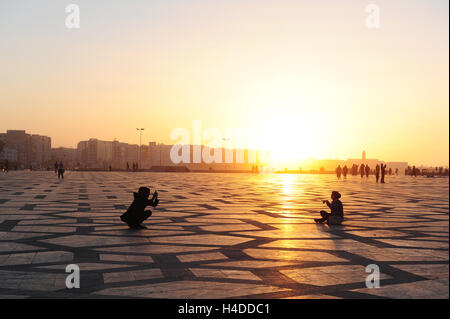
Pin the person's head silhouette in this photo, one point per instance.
(144, 191)
(335, 195)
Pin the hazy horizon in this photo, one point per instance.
(302, 73)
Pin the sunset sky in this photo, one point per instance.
(306, 74)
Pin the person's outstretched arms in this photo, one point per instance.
(327, 202)
(154, 201)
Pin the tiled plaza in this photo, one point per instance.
(222, 236)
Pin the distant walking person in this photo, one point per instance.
(383, 172)
(367, 171)
(339, 171)
(337, 211)
(362, 170)
(61, 170)
(136, 213)
(345, 171)
(377, 172)
(396, 172)
(56, 167)
(6, 166)
(414, 172)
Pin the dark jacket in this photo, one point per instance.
(336, 208)
(137, 208)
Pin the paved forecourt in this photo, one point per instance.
(222, 236)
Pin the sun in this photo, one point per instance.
(288, 137)
(288, 125)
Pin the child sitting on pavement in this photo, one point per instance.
(136, 213)
(337, 211)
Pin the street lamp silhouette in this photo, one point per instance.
(224, 140)
(140, 143)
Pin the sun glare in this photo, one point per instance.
(288, 137)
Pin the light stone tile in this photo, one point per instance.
(201, 257)
(224, 273)
(190, 290)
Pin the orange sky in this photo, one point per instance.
(312, 79)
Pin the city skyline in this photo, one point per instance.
(304, 74)
(267, 160)
(354, 154)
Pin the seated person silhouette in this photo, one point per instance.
(136, 213)
(337, 211)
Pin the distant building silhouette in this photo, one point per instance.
(97, 154)
(24, 150)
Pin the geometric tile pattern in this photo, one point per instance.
(222, 236)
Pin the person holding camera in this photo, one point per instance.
(337, 211)
(136, 213)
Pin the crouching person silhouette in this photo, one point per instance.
(136, 213)
(337, 211)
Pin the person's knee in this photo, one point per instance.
(324, 214)
(147, 213)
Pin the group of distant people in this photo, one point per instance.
(365, 170)
(381, 171)
(134, 167)
(429, 172)
(59, 169)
